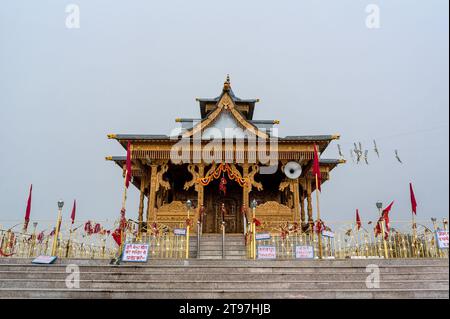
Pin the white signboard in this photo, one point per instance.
(262, 236)
(44, 260)
(179, 231)
(327, 233)
(304, 252)
(267, 252)
(442, 239)
(135, 253)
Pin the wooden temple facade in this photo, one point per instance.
(223, 187)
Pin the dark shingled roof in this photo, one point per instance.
(237, 100)
(306, 138)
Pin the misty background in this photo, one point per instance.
(134, 66)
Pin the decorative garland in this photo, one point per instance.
(222, 168)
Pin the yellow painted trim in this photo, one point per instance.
(108, 158)
(112, 136)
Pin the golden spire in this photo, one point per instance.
(227, 83)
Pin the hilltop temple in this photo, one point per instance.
(221, 162)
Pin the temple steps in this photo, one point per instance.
(211, 246)
(194, 278)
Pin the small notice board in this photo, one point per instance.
(135, 253)
(442, 239)
(262, 236)
(179, 231)
(267, 252)
(304, 252)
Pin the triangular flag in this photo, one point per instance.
(358, 219)
(74, 208)
(28, 210)
(413, 199)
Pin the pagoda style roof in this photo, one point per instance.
(247, 106)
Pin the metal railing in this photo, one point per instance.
(348, 242)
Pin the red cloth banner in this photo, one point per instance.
(358, 220)
(28, 210)
(74, 208)
(413, 199)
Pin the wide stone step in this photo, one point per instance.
(224, 293)
(228, 284)
(206, 276)
(196, 267)
(335, 263)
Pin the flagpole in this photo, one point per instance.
(414, 234)
(318, 216)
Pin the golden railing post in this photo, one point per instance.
(383, 226)
(57, 229)
(188, 222)
(33, 240)
(253, 206)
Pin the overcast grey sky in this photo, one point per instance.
(134, 66)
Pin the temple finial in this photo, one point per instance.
(227, 83)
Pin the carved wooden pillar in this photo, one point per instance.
(245, 189)
(296, 192)
(309, 200)
(152, 194)
(302, 200)
(200, 196)
(141, 204)
(302, 207)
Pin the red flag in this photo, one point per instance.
(74, 208)
(117, 236)
(28, 211)
(316, 169)
(388, 209)
(413, 199)
(128, 165)
(358, 219)
(385, 216)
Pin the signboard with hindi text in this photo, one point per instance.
(267, 252)
(442, 239)
(135, 253)
(304, 252)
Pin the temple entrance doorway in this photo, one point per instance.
(232, 200)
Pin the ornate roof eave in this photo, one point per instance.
(225, 103)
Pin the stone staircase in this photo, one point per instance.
(234, 279)
(211, 246)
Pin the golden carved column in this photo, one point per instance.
(141, 204)
(302, 201)
(152, 194)
(296, 199)
(200, 195)
(245, 189)
(302, 207)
